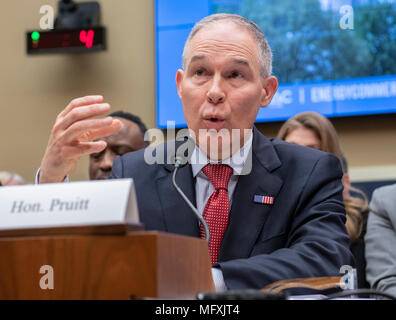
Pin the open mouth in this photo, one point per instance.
(214, 123)
(213, 118)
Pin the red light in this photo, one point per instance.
(87, 37)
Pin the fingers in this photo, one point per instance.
(71, 136)
(82, 101)
(83, 148)
(82, 113)
(50, 173)
(101, 132)
(83, 127)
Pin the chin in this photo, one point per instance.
(103, 177)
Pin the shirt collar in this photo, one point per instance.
(236, 161)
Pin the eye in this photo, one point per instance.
(97, 156)
(199, 72)
(235, 74)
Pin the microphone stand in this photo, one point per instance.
(178, 164)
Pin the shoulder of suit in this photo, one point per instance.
(383, 202)
(385, 191)
(139, 155)
(147, 157)
(291, 150)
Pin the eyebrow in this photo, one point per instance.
(242, 62)
(197, 57)
(235, 60)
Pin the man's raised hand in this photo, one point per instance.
(73, 135)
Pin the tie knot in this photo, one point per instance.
(218, 174)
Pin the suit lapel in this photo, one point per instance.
(178, 216)
(247, 218)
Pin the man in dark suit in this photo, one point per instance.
(284, 219)
(302, 234)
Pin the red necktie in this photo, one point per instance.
(217, 209)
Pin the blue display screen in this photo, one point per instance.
(335, 57)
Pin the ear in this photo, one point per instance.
(179, 80)
(270, 85)
(346, 179)
(346, 182)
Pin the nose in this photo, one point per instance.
(107, 161)
(215, 93)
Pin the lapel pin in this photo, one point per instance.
(263, 199)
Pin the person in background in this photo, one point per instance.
(129, 138)
(380, 240)
(357, 210)
(313, 130)
(10, 179)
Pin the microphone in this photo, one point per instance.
(180, 161)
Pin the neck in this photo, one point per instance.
(220, 146)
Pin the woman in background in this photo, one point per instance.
(313, 130)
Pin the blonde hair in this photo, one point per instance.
(329, 142)
(354, 206)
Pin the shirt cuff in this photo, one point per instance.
(218, 280)
(36, 180)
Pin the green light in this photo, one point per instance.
(35, 36)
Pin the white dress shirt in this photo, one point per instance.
(204, 188)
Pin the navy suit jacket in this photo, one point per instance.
(302, 234)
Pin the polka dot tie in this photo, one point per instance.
(217, 209)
